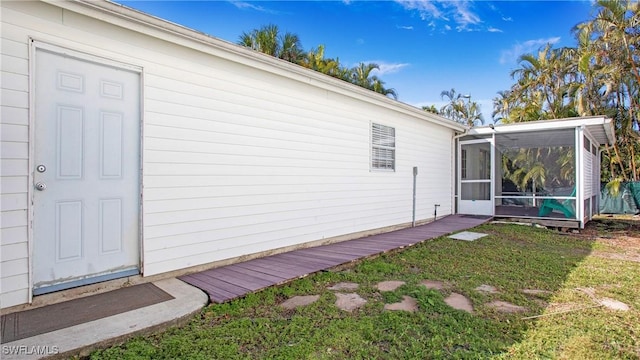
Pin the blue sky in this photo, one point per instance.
(422, 47)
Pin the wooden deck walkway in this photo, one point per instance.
(233, 281)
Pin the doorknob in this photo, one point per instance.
(40, 186)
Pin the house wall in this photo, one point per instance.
(239, 157)
(590, 175)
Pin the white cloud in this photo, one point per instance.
(245, 5)
(459, 13)
(463, 16)
(405, 27)
(492, 29)
(426, 9)
(505, 18)
(511, 55)
(387, 68)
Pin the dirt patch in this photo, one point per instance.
(627, 256)
(620, 237)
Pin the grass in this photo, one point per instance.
(512, 258)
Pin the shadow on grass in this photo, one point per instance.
(512, 259)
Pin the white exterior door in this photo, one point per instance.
(85, 172)
(475, 191)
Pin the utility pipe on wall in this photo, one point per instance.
(415, 175)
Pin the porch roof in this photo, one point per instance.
(600, 127)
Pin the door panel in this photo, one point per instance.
(86, 171)
(475, 169)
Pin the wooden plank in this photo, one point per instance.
(255, 273)
(329, 255)
(272, 270)
(392, 241)
(282, 264)
(350, 249)
(226, 283)
(295, 270)
(215, 294)
(215, 282)
(233, 277)
(302, 260)
(360, 246)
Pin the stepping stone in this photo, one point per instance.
(389, 285)
(467, 236)
(536, 292)
(407, 304)
(433, 284)
(298, 301)
(506, 307)
(349, 302)
(614, 304)
(487, 289)
(459, 302)
(344, 286)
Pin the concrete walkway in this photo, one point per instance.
(82, 339)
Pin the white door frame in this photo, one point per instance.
(35, 44)
(477, 207)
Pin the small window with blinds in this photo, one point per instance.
(383, 147)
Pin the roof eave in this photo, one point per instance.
(121, 15)
(551, 124)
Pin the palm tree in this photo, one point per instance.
(315, 60)
(457, 109)
(598, 77)
(432, 109)
(361, 76)
(268, 40)
(614, 33)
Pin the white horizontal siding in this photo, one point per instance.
(232, 169)
(236, 160)
(14, 155)
(587, 169)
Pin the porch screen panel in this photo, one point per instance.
(538, 173)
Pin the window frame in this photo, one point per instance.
(380, 137)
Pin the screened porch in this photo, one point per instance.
(542, 171)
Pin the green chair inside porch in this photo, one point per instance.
(565, 207)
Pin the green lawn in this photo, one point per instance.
(603, 261)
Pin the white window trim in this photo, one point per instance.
(373, 146)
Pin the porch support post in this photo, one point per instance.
(579, 143)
